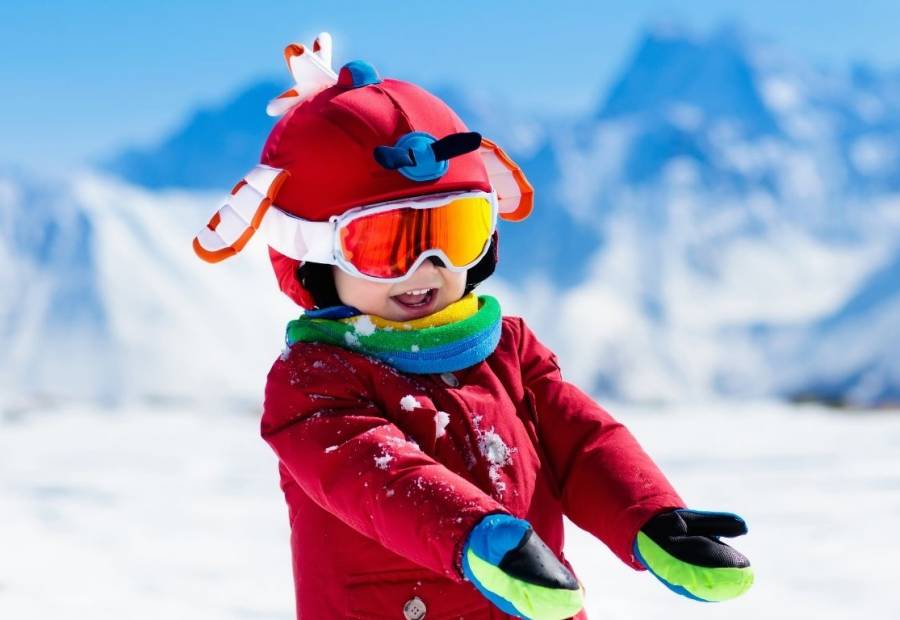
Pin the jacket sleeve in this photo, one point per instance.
(353, 462)
(608, 485)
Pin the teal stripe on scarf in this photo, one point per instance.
(443, 348)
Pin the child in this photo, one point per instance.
(428, 445)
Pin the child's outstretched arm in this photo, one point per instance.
(610, 487)
(351, 460)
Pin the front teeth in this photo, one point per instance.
(418, 292)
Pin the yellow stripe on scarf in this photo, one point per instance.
(457, 311)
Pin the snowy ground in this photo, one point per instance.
(169, 514)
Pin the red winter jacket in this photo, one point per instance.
(381, 499)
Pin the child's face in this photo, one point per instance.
(389, 300)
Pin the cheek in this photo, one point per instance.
(455, 282)
(362, 294)
(371, 297)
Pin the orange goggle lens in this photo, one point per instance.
(387, 244)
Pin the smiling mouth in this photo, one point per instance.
(416, 298)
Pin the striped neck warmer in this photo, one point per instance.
(461, 335)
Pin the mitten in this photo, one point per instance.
(682, 549)
(514, 569)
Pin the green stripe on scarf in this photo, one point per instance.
(439, 348)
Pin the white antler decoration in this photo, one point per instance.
(311, 71)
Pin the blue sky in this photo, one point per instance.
(81, 79)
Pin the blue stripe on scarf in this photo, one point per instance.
(446, 358)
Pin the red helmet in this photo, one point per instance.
(319, 160)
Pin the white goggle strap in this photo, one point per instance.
(299, 239)
(234, 223)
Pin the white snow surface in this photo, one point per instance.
(364, 325)
(493, 448)
(496, 452)
(409, 402)
(146, 513)
(382, 462)
(441, 420)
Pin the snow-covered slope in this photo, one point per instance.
(169, 513)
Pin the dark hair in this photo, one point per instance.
(318, 279)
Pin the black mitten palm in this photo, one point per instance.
(682, 549)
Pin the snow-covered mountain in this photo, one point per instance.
(742, 197)
(103, 298)
(214, 146)
(724, 221)
(853, 353)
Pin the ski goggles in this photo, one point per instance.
(387, 242)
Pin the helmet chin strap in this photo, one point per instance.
(484, 268)
(318, 280)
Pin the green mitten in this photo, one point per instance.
(682, 549)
